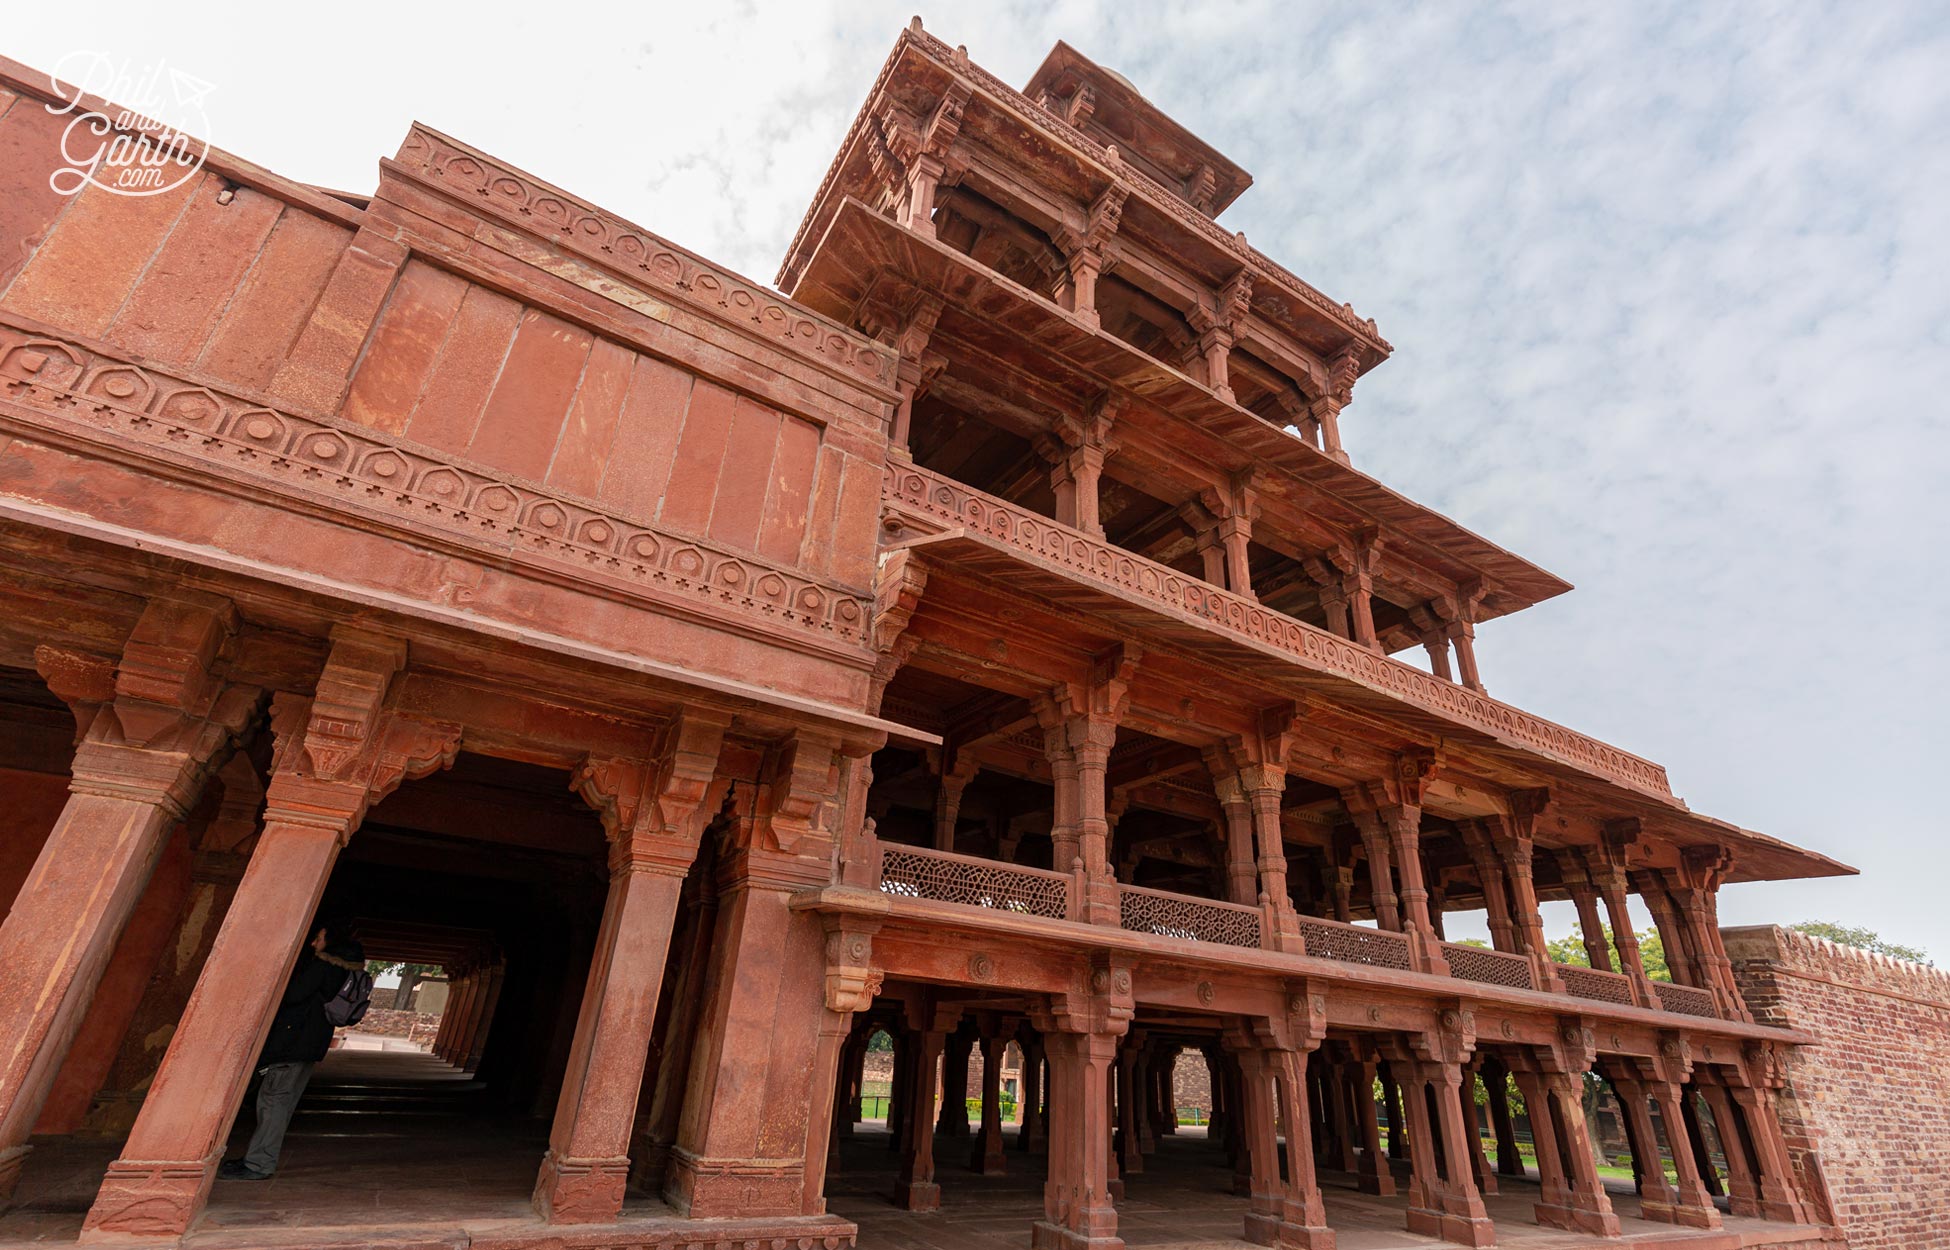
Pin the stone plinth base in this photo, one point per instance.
(580, 1191)
(1270, 1230)
(141, 1200)
(1044, 1235)
(1577, 1220)
(1464, 1230)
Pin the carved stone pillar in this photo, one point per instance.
(1657, 1198)
(1608, 874)
(1242, 869)
(1472, 1133)
(916, 369)
(987, 1157)
(1496, 897)
(747, 1144)
(491, 998)
(654, 811)
(947, 804)
(1743, 1189)
(1086, 715)
(1081, 1032)
(923, 147)
(1404, 826)
(1703, 868)
(1695, 1132)
(1129, 1139)
(1462, 637)
(1584, 896)
(1574, 1197)
(1395, 804)
(1091, 738)
(1373, 1175)
(1674, 934)
(216, 864)
(1436, 643)
(337, 753)
(1587, 1206)
(1076, 448)
(1053, 717)
(915, 1189)
(953, 1121)
(658, 1125)
(1083, 249)
(1333, 598)
(1692, 1205)
(851, 984)
(1495, 1076)
(1381, 880)
(1205, 534)
(1443, 1198)
(1779, 1192)
(1511, 838)
(1553, 1187)
(1285, 1210)
(151, 730)
(1031, 1135)
(1391, 1096)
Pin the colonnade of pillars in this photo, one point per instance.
(1389, 1116)
(474, 992)
(157, 723)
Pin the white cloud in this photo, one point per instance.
(1669, 286)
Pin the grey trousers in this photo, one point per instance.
(278, 1091)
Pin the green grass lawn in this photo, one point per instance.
(1606, 1170)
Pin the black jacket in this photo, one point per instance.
(300, 1033)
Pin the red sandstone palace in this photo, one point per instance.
(988, 641)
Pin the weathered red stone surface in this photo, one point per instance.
(988, 642)
(1865, 1114)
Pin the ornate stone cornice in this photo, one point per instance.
(77, 387)
(947, 502)
(642, 256)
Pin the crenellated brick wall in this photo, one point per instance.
(1866, 1111)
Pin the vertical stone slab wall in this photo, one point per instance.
(1867, 1111)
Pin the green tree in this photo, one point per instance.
(1863, 939)
(410, 976)
(1652, 951)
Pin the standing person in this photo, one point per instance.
(331, 974)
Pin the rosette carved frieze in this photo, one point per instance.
(79, 390)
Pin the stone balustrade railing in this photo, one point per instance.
(911, 872)
(1490, 967)
(1685, 1000)
(1194, 919)
(1078, 554)
(1354, 944)
(971, 881)
(1596, 985)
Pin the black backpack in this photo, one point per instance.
(349, 1005)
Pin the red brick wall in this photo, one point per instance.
(1868, 1109)
(418, 1026)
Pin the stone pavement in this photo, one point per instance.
(1183, 1200)
(393, 1148)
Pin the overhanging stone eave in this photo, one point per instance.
(926, 915)
(1233, 178)
(846, 721)
(964, 551)
(860, 244)
(1192, 228)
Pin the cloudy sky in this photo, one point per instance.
(1669, 288)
